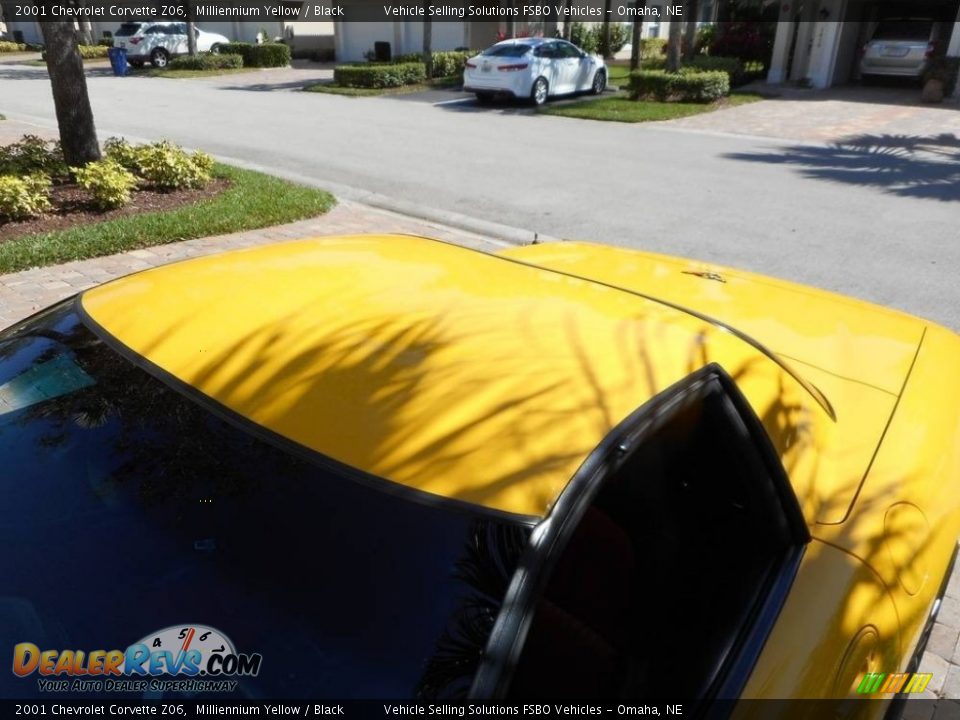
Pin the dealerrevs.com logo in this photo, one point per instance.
(180, 658)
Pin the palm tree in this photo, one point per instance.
(693, 7)
(427, 39)
(673, 45)
(636, 47)
(78, 135)
(191, 38)
(605, 35)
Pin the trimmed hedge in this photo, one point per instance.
(266, 55)
(688, 85)
(379, 76)
(207, 61)
(7, 46)
(446, 63)
(90, 52)
(740, 72)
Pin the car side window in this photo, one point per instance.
(693, 500)
(155, 30)
(568, 51)
(547, 50)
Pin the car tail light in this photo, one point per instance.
(508, 68)
(931, 49)
(134, 41)
(471, 65)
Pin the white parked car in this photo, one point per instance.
(534, 68)
(160, 41)
(900, 48)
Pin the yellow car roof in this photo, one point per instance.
(451, 371)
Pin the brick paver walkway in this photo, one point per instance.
(832, 115)
(26, 292)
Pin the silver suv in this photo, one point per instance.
(160, 41)
(900, 48)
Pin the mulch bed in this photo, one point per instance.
(71, 207)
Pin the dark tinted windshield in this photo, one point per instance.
(511, 50)
(127, 29)
(904, 30)
(126, 508)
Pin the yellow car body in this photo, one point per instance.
(489, 379)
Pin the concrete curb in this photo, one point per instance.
(508, 233)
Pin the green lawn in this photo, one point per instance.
(332, 89)
(618, 75)
(620, 108)
(253, 200)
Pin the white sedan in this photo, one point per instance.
(534, 68)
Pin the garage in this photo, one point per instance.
(819, 41)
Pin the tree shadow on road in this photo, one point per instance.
(904, 165)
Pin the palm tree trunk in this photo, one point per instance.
(605, 35)
(86, 32)
(693, 6)
(673, 45)
(427, 39)
(78, 135)
(636, 50)
(191, 38)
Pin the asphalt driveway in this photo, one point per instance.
(874, 217)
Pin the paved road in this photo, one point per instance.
(876, 222)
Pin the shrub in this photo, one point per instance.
(170, 167)
(203, 162)
(688, 85)
(25, 197)
(33, 154)
(652, 48)
(123, 153)
(446, 63)
(7, 46)
(236, 48)
(207, 61)
(89, 52)
(379, 76)
(107, 181)
(748, 41)
(583, 37)
(266, 55)
(590, 39)
(619, 36)
(105, 42)
(735, 69)
(706, 35)
(945, 69)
